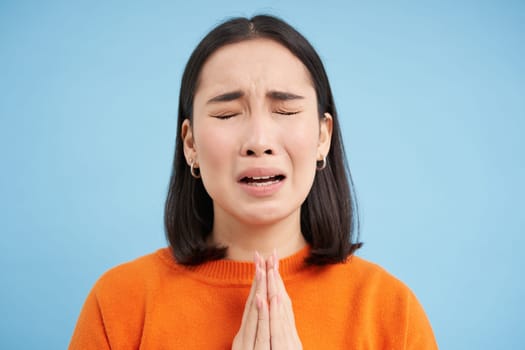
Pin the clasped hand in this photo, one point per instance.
(268, 321)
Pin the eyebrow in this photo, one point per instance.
(227, 97)
(283, 96)
(272, 95)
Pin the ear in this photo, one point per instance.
(186, 132)
(325, 135)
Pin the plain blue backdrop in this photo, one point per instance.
(432, 100)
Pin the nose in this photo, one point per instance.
(256, 152)
(259, 138)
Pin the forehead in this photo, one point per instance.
(260, 63)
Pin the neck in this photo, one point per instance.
(244, 239)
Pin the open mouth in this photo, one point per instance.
(260, 181)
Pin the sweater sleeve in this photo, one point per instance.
(90, 332)
(419, 334)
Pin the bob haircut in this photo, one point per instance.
(329, 220)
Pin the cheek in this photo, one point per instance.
(303, 141)
(213, 147)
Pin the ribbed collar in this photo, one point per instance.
(235, 272)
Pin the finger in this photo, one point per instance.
(277, 322)
(276, 316)
(248, 328)
(287, 310)
(262, 285)
(249, 301)
(286, 301)
(260, 266)
(262, 340)
(272, 285)
(273, 263)
(282, 321)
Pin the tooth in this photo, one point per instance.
(261, 177)
(260, 184)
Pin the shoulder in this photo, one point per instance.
(371, 274)
(115, 309)
(372, 285)
(389, 301)
(136, 276)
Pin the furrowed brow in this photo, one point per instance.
(283, 96)
(227, 97)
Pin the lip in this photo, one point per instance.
(261, 191)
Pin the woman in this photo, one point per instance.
(259, 172)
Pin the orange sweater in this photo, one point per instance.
(154, 303)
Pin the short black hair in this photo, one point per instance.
(329, 215)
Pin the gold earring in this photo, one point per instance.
(193, 169)
(321, 164)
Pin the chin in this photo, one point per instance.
(265, 216)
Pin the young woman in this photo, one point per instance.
(259, 173)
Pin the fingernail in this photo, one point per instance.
(275, 260)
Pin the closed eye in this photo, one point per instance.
(281, 112)
(224, 116)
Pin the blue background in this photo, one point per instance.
(432, 100)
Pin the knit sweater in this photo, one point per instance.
(155, 303)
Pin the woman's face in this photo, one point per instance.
(256, 133)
